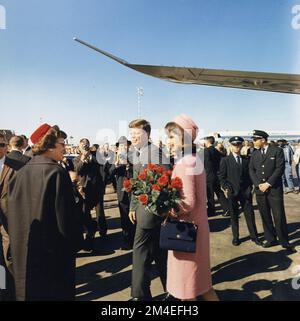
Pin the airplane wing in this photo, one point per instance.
(264, 81)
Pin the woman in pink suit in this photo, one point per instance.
(189, 274)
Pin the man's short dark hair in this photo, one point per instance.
(141, 123)
(210, 139)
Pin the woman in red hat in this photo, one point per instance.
(42, 222)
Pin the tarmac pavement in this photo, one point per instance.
(244, 273)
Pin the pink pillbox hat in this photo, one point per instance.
(187, 124)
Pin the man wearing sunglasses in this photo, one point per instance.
(266, 170)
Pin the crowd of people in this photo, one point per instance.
(49, 189)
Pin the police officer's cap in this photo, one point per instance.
(259, 134)
(236, 140)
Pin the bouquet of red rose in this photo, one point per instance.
(155, 189)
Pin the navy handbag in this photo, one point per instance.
(178, 236)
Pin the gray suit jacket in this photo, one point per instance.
(148, 154)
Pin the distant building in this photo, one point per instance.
(7, 133)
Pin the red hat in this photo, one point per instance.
(39, 133)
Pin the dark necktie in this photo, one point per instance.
(138, 153)
(263, 151)
(239, 160)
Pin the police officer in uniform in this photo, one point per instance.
(266, 170)
(237, 186)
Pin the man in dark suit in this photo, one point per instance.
(146, 242)
(106, 158)
(13, 162)
(26, 149)
(3, 153)
(67, 164)
(235, 181)
(122, 169)
(266, 170)
(88, 170)
(212, 159)
(16, 159)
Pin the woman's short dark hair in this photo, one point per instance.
(174, 127)
(48, 141)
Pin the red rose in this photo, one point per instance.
(127, 185)
(142, 176)
(160, 170)
(169, 173)
(163, 181)
(177, 183)
(152, 167)
(156, 187)
(143, 199)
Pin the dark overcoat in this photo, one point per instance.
(44, 231)
(91, 179)
(212, 159)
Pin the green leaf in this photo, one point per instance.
(153, 208)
